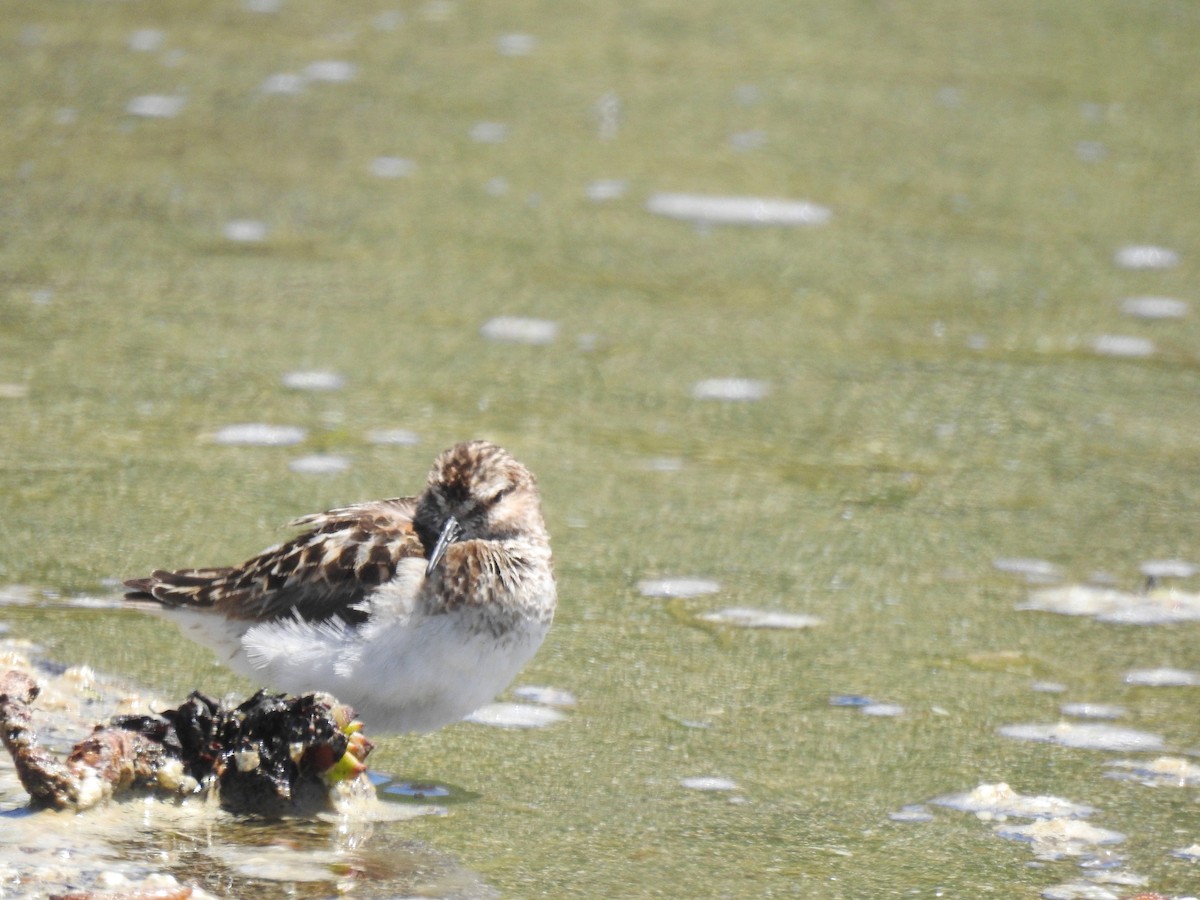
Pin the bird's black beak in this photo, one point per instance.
(450, 533)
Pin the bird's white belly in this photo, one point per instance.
(404, 676)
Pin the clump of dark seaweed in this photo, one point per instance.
(271, 755)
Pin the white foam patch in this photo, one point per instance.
(546, 696)
(283, 83)
(1034, 570)
(489, 132)
(146, 40)
(1058, 838)
(882, 710)
(1095, 887)
(1163, 677)
(1093, 710)
(91, 601)
(1145, 256)
(13, 391)
(314, 380)
(999, 800)
(677, 587)
(331, 70)
(1085, 735)
(389, 20)
(719, 210)
(17, 595)
(1155, 307)
(155, 106)
(260, 434)
(1167, 568)
(708, 783)
(392, 167)
(516, 44)
(245, 231)
(319, 464)
(277, 863)
(739, 389)
(1192, 853)
(760, 618)
(604, 189)
(1124, 345)
(1155, 607)
(1048, 687)
(745, 141)
(1165, 771)
(395, 436)
(520, 330)
(515, 715)
(914, 813)
(664, 464)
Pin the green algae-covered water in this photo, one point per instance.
(966, 372)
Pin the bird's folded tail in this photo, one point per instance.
(187, 587)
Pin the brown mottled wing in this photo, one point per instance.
(322, 573)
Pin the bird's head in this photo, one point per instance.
(476, 491)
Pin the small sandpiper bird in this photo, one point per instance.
(416, 611)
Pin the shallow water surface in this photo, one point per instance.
(870, 460)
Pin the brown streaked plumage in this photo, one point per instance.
(415, 610)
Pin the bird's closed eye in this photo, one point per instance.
(500, 495)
